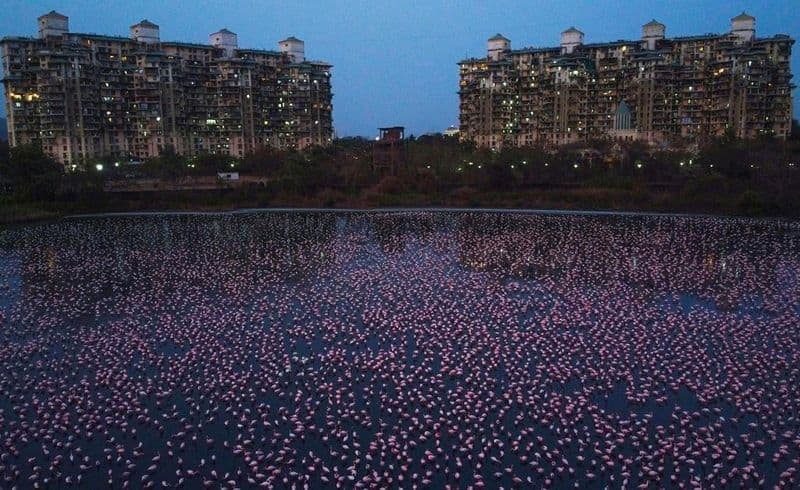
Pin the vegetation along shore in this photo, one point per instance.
(729, 176)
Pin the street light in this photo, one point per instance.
(99, 167)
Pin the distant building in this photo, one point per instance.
(451, 131)
(389, 149)
(654, 89)
(86, 95)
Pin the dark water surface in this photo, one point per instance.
(321, 349)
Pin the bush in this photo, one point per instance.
(465, 196)
(31, 173)
(330, 197)
(389, 185)
(751, 203)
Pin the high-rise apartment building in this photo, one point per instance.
(83, 96)
(655, 89)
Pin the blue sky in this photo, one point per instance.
(395, 61)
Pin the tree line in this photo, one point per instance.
(765, 172)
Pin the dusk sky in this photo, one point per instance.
(395, 62)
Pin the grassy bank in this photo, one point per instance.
(27, 212)
(740, 201)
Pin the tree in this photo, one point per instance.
(499, 175)
(212, 163)
(4, 153)
(31, 173)
(308, 172)
(264, 161)
(168, 165)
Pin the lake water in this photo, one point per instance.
(373, 349)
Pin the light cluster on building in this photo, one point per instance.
(655, 89)
(83, 96)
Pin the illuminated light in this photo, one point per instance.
(99, 167)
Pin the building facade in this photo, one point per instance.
(84, 96)
(655, 89)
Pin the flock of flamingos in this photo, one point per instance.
(400, 349)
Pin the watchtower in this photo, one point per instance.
(389, 150)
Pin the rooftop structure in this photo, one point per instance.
(145, 32)
(692, 88)
(226, 40)
(84, 96)
(294, 49)
(53, 24)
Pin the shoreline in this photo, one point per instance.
(377, 210)
(581, 201)
(45, 217)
